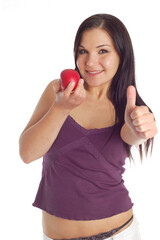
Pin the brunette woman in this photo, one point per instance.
(85, 137)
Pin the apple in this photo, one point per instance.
(67, 76)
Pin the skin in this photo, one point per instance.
(98, 62)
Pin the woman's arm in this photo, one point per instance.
(139, 124)
(48, 118)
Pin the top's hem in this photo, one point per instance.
(83, 218)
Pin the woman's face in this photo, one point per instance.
(97, 58)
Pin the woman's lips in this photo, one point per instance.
(94, 72)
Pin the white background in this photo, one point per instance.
(36, 44)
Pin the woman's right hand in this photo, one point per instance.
(68, 99)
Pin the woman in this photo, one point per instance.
(86, 135)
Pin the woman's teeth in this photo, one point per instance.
(93, 72)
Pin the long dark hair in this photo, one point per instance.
(125, 75)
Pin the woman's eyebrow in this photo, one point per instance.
(81, 46)
(102, 45)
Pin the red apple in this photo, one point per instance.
(69, 75)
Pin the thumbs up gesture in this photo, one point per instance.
(139, 119)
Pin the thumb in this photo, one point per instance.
(131, 98)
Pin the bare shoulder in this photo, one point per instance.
(49, 93)
(47, 98)
(45, 102)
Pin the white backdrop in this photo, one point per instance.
(36, 44)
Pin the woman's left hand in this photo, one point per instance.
(138, 118)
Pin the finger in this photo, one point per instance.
(144, 119)
(149, 134)
(79, 86)
(83, 93)
(80, 83)
(145, 127)
(139, 111)
(69, 88)
(131, 98)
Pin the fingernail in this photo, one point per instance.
(72, 83)
(81, 81)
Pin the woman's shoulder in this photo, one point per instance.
(52, 83)
(45, 102)
(49, 91)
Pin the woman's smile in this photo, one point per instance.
(94, 72)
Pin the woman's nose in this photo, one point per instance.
(91, 60)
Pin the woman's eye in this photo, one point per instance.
(103, 51)
(82, 51)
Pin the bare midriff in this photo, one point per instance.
(59, 228)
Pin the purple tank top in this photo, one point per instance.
(82, 174)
